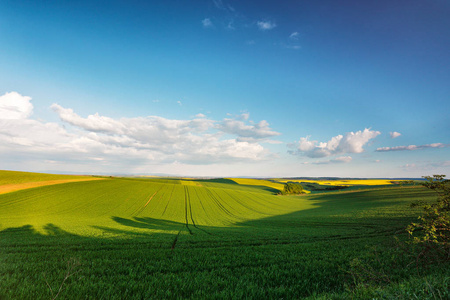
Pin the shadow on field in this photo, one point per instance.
(159, 224)
(344, 215)
(216, 180)
(26, 231)
(148, 223)
(235, 185)
(355, 214)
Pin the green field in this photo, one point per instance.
(177, 238)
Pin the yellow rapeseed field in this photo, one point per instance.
(344, 182)
(250, 181)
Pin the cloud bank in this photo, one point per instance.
(337, 160)
(145, 140)
(412, 147)
(351, 142)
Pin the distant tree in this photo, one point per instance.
(292, 189)
(406, 182)
(433, 229)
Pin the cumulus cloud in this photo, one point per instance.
(394, 134)
(15, 106)
(266, 25)
(412, 147)
(127, 141)
(207, 23)
(246, 132)
(351, 142)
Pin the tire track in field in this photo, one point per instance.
(201, 203)
(140, 210)
(186, 195)
(192, 218)
(158, 200)
(175, 240)
(235, 198)
(168, 201)
(216, 200)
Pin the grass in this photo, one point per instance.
(259, 182)
(16, 177)
(11, 181)
(166, 239)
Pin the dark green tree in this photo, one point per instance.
(292, 189)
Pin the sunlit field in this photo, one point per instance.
(173, 238)
(349, 182)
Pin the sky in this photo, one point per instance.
(226, 88)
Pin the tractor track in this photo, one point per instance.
(140, 210)
(186, 196)
(192, 218)
(168, 201)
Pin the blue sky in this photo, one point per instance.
(226, 88)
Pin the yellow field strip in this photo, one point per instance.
(250, 181)
(345, 182)
(7, 188)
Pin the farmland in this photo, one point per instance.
(218, 238)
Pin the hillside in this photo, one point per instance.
(179, 238)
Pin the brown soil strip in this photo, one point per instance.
(7, 188)
(150, 199)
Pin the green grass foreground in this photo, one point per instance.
(125, 238)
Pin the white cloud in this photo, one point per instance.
(394, 134)
(246, 132)
(15, 106)
(207, 23)
(266, 25)
(200, 115)
(343, 159)
(179, 103)
(127, 141)
(412, 147)
(244, 116)
(351, 142)
(294, 36)
(337, 160)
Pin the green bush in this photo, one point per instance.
(433, 229)
(292, 189)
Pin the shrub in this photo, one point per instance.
(292, 189)
(433, 229)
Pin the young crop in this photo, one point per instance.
(149, 238)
